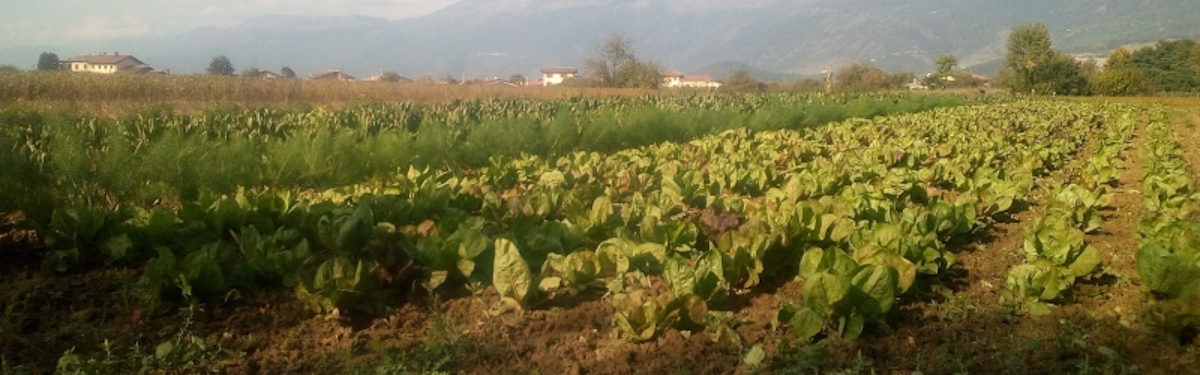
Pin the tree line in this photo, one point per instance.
(1031, 65)
(220, 65)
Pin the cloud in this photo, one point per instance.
(29, 22)
(392, 9)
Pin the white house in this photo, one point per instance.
(674, 79)
(916, 85)
(556, 76)
(105, 63)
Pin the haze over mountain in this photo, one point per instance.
(796, 37)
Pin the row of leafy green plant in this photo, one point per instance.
(846, 290)
(1168, 257)
(1056, 253)
(861, 211)
(59, 159)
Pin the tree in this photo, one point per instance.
(1060, 75)
(740, 80)
(1033, 66)
(253, 72)
(1168, 66)
(8, 69)
(1196, 56)
(1089, 68)
(220, 65)
(946, 64)
(1119, 82)
(517, 79)
(800, 85)
(1028, 48)
(1117, 59)
(613, 53)
(617, 51)
(47, 61)
(287, 72)
(860, 77)
(638, 74)
(597, 69)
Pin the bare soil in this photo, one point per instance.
(1188, 136)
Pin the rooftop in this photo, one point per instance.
(330, 74)
(102, 59)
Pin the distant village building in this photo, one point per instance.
(675, 79)
(499, 82)
(985, 81)
(1098, 59)
(105, 63)
(916, 85)
(267, 74)
(330, 75)
(388, 77)
(556, 76)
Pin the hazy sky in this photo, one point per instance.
(34, 22)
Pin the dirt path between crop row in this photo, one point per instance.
(1186, 133)
(1117, 293)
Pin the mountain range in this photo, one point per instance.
(777, 39)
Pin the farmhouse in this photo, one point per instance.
(330, 75)
(674, 79)
(105, 63)
(556, 76)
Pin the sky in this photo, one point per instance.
(47, 22)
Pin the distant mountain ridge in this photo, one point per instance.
(775, 37)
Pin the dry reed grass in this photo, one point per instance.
(117, 94)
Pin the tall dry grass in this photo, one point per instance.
(121, 93)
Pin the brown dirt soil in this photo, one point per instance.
(16, 244)
(37, 309)
(1188, 136)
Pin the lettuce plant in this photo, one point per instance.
(840, 296)
(86, 235)
(1056, 255)
(642, 312)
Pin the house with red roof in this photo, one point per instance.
(675, 79)
(105, 63)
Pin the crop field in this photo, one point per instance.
(700, 233)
